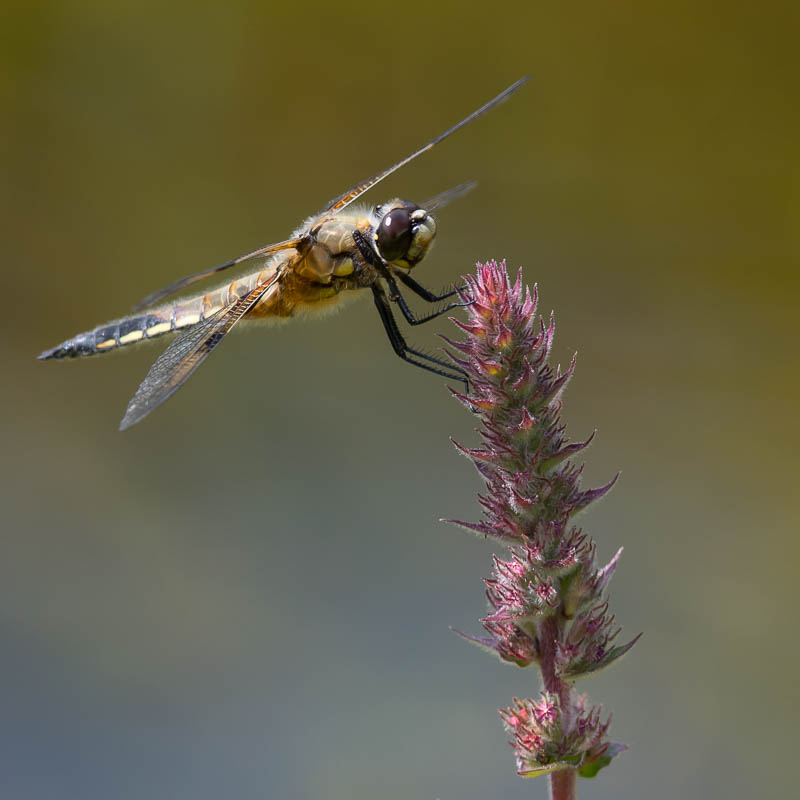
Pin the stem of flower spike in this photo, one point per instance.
(562, 783)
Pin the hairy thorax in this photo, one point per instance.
(320, 275)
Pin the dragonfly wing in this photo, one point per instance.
(352, 194)
(186, 353)
(445, 198)
(188, 280)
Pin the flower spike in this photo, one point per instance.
(547, 597)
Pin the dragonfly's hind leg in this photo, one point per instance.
(402, 348)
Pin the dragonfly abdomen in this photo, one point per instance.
(137, 328)
(111, 336)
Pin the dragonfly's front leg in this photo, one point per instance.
(402, 348)
(398, 298)
(427, 294)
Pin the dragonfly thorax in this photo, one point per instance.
(404, 232)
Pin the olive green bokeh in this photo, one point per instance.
(248, 595)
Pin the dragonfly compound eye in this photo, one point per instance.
(394, 233)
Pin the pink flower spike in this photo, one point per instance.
(547, 597)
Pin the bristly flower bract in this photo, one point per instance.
(545, 742)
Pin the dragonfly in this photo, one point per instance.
(335, 254)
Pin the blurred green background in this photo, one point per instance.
(249, 594)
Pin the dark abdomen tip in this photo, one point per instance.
(56, 352)
(82, 345)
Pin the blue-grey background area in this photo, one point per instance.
(249, 594)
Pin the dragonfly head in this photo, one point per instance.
(404, 233)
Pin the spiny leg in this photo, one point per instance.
(426, 294)
(398, 298)
(401, 347)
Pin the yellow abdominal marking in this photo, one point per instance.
(106, 344)
(161, 327)
(187, 319)
(133, 336)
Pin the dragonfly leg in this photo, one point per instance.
(402, 348)
(398, 298)
(371, 257)
(427, 294)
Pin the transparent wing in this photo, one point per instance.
(445, 198)
(350, 195)
(186, 353)
(182, 283)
